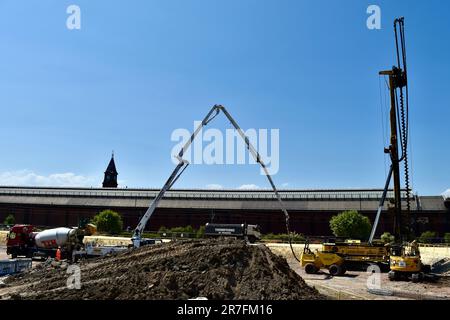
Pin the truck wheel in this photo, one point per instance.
(392, 276)
(343, 270)
(251, 239)
(310, 268)
(335, 270)
(426, 268)
(415, 277)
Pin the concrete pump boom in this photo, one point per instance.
(182, 165)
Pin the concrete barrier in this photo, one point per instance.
(431, 254)
(336, 294)
(108, 241)
(284, 250)
(3, 238)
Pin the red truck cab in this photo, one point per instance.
(19, 240)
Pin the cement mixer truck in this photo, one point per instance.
(23, 240)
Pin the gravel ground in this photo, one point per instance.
(353, 285)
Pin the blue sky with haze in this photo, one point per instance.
(137, 70)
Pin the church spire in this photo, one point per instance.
(110, 180)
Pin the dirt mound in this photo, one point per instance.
(215, 269)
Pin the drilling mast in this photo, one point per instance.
(398, 88)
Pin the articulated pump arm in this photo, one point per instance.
(182, 165)
(258, 159)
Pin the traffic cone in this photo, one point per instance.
(58, 254)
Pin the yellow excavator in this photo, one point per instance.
(406, 264)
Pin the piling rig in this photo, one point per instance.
(405, 261)
(402, 257)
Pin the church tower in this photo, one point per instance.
(110, 180)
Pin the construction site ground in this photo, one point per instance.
(354, 284)
(351, 286)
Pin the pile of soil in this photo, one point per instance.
(215, 269)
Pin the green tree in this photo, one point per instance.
(200, 232)
(9, 220)
(427, 237)
(447, 238)
(387, 237)
(187, 231)
(351, 224)
(284, 237)
(108, 221)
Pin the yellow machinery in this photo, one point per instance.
(314, 261)
(406, 264)
(356, 252)
(90, 229)
(338, 257)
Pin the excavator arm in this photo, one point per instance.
(182, 165)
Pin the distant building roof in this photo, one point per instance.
(361, 199)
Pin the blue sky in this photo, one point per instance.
(137, 70)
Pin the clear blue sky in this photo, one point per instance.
(137, 70)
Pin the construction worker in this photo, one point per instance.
(58, 254)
